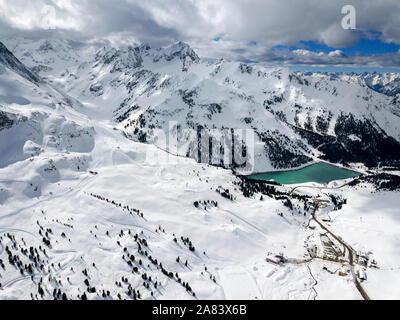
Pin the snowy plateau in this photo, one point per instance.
(85, 213)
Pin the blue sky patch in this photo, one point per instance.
(365, 47)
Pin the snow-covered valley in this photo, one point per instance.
(89, 211)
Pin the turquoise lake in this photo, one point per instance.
(318, 172)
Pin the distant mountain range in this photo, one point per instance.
(386, 83)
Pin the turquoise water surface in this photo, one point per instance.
(318, 172)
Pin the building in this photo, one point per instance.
(275, 259)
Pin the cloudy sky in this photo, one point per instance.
(304, 34)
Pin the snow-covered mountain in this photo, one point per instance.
(386, 83)
(88, 212)
(85, 214)
(295, 118)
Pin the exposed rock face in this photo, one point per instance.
(178, 50)
(5, 120)
(10, 61)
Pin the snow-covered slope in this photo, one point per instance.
(86, 212)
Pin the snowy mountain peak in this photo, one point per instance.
(121, 59)
(143, 47)
(179, 50)
(131, 57)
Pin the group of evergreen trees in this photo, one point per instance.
(225, 193)
(118, 205)
(251, 187)
(381, 181)
(139, 261)
(205, 204)
(37, 266)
